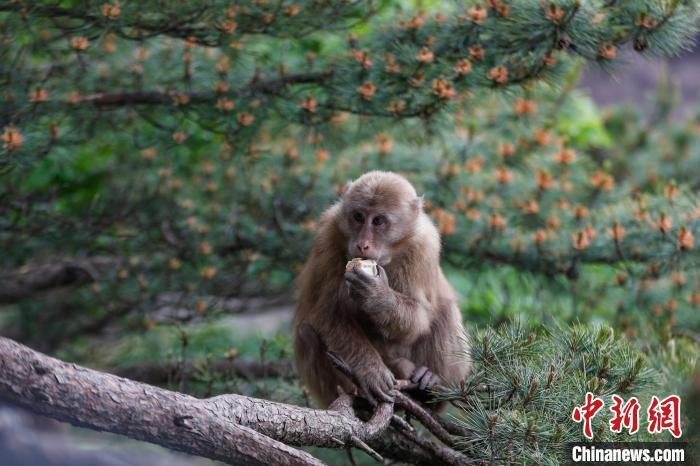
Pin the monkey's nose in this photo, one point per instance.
(362, 248)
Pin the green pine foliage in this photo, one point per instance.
(517, 405)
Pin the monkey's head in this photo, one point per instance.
(379, 210)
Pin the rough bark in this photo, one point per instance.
(231, 428)
(27, 439)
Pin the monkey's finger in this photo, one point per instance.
(388, 382)
(425, 380)
(365, 393)
(351, 286)
(362, 276)
(357, 290)
(382, 274)
(354, 280)
(382, 395)
(370, 399)
(434, 380)
(418, 374)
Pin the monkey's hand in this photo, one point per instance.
(376, 383)
(424, 378)
(368, 290)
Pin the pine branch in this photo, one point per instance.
(517, 404)
(211, 23)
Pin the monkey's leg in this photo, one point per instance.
(316, 370)
(401, 367)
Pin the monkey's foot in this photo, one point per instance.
(424, 378)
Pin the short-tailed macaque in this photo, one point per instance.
(403, 323)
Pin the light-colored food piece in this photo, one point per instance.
(368, 266)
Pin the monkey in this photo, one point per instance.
(403, 323)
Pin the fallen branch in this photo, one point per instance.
(231, 428)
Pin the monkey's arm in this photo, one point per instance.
(345, 337)
(396, 315)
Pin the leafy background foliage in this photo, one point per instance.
(174, 158)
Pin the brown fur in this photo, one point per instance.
(393, 326)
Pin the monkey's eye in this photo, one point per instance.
(358, 217)
(378, 220)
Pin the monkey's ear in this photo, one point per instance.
(346, 188)
(417, 203)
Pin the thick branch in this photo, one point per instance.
(196, 21)
(258, 86)
(21, 284)
(231, 428)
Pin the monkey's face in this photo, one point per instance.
(369, 234)
(378, 211)
(375, 227)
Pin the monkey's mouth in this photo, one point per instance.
(380, 260)
(366, 257)
(381, 256)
